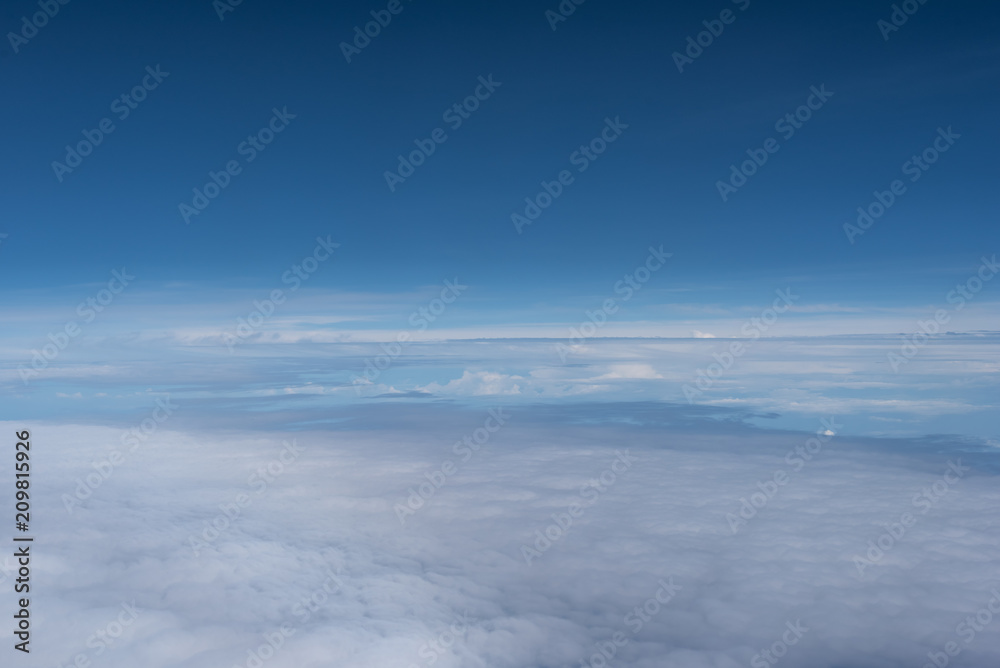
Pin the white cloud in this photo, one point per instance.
(403, 586)
(629, 371)
(478, 383)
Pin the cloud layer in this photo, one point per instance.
(528, 543)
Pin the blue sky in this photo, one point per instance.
(656, 184)
(665, 140)
(747, 344)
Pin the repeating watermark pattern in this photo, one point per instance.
(303, 610)
(249, 148)
(294, 277)
(37, 21)
(309, 605)
(381, 18)
(924, 500)
(787, 125)
(420, 319)
(122, 106)
(626, 287)
(635, 620)
(436, 478)
(713, 29)
(223, 7)
(565, 10)
(915, 168)
(130, 439)
(88, 311)
(258, 483)
(752, 329)
(106, 637)
(928, 329)
(779, 648)
(581, 158)
(967, 630)
(439, 646)
(454, 116)
(797, 458)
(591, 492)
(901, 13)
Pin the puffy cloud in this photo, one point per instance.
(629, 371)
(948, 387)
(478, 383)
(453, 582)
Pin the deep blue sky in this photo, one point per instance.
(324, 174)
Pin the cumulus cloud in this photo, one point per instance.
(794, 377)
(321, 548)
(418, 528)
(478, 383)
(628, 371)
